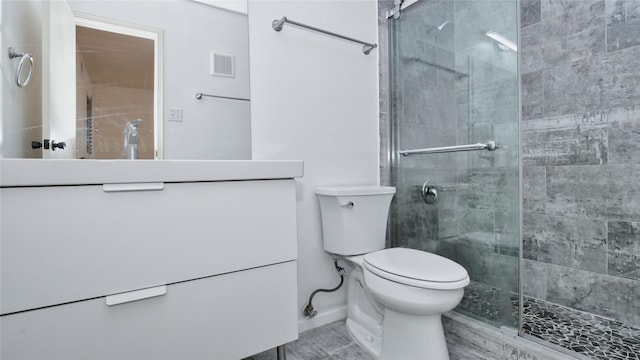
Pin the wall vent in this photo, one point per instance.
(222, 65)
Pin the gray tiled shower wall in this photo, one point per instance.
(581, 154)
(452, 85)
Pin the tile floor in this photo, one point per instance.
(332, 342)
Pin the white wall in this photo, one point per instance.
(240, 6)
(315, 98)
(21, 117)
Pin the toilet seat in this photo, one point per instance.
(416, 268)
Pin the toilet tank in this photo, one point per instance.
(354, 218)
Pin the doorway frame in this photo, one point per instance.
(140, 31)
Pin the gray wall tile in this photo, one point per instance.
(476, 254)
(494, 269)
(534, 189)
(596, 83)
(534, 282)
(491, 104)
(532, 95)
(569, 140)
(580, 45)
(507, 234)
(604, 192)
(570, 37)
(624, 135)
(498, 190)
(551, 8)
(531, 48)
(447, 210)
(476, 220)
(416, 226)
(620, 78)
(586, 17)
(428, 104)
(572, 242)
(529, 12)
(605, 295)
(624, 249)
(623, 24)
(573, 36)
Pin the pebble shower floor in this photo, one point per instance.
(587, 334)
(584, 333)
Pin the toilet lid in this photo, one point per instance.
(415, 265)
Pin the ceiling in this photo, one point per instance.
(116, 59)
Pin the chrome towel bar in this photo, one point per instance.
(278, 24)
(24, 57)
(490, 145)
(200, 95)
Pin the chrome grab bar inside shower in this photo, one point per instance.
(490, 145)
(366, 47)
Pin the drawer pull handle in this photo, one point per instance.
(132, 187)
(136, 295)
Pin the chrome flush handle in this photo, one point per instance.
(348, 205)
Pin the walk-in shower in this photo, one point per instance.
(548, 224)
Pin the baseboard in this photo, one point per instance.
(322, 318)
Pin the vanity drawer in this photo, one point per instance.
(67, 243)
(221, 317)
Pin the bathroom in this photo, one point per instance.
(567, 166)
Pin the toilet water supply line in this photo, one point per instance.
(308, 310)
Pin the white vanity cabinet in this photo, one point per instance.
(200, 265)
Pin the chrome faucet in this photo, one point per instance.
(131, 139)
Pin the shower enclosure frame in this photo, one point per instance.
(389, 151)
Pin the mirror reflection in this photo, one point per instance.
(124, 86)
(115, 94)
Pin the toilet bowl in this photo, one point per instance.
(394, 311)
(396, 296)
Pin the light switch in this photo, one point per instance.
(175, 114)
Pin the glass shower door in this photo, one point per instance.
(454, 82)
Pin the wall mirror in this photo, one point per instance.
(118, 79)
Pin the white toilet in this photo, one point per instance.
(395, 296)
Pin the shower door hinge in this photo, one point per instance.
(395, 10)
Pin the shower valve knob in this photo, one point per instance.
(429, 193)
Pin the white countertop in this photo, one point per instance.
(42, 172)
